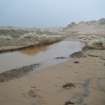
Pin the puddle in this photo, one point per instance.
(44, 55)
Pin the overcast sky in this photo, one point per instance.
(43, 13)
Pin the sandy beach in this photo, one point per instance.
(78, 81)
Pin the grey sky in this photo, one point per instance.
(49, 12)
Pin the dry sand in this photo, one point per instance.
(78, 81)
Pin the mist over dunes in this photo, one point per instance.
(38, 13)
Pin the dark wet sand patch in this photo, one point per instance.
(78, 54)
(17, 73)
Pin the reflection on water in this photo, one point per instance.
(33, 50)
(43, 55)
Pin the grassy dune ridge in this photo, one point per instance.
(16, 38)
(12, 38)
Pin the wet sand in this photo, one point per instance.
(78, 81)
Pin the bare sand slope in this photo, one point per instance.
(79, 81)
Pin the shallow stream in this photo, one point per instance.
(45, 56)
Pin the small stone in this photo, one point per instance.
(68, 85)
(69, 103)
(31, 93)
(76, 61)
